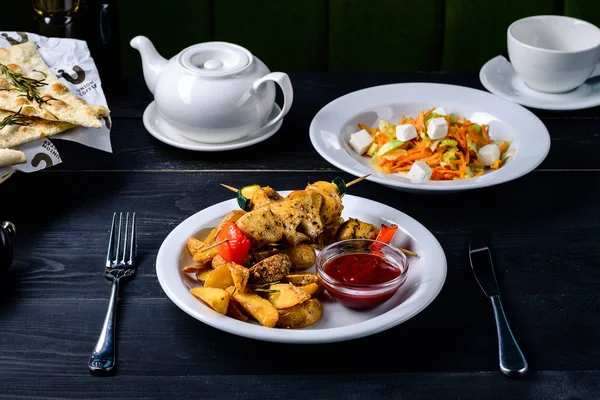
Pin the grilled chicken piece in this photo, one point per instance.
(261, 226)
(357, 229)
(331, 209)
(302, 216)
(295, 220)
(263, 196)
(308, 205)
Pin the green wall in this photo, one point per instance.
(335, 35)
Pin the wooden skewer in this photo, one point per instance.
(408, 252)
(229, 187)
(347, 185)
(362, 178)
(214, 245)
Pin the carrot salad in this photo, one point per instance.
(456, 156)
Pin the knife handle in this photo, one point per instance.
(512, 361)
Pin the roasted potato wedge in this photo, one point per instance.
(301, 278)
(286, 295)
(233, 216)
(203, 275)
(240, 275)
(260, 309)
(313, 289)
(194, 245)
(356, 229)
(203, 256)
(302, 257)
(234, 310)
(300, 315)
(196, 267)
(219, 278)
(217, 261)
(270, 269)
(217, 299)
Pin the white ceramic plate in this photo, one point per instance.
(499, 77)
(331, 128)
(426, 276)
(164, 132)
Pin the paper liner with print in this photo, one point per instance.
(70, 60)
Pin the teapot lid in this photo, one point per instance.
(216, 58)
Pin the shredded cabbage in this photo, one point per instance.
(387, 129)
(449, 142)
(389, 146)
(475, 128)
(450, 155)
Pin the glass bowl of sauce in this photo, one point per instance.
(361, 273)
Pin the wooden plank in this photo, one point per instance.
(288, 149)
(155, 338)
(551, 385)
(543, 226)
(313, 90)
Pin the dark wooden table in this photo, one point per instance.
(545, 228)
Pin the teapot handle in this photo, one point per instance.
(288, 93)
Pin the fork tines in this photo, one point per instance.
(122, 238)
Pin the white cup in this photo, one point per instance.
(552, 53)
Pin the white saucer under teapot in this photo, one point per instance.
(213, 92)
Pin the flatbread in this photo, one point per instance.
(65, 106)
(11, 157)
(15, 135)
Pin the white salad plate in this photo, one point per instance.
(426, 276)
(157, 126)
(499, 77)
(332, 126)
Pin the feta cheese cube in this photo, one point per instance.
(437, 128)
(361, 141)
(440, 111)
(489, 154)
(419, 171)
(406, 132)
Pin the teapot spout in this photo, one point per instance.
(152, 62)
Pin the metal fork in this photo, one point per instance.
(103, 358)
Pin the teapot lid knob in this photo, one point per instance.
(213, 59)
(213, 64)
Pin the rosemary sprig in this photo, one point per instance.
(265, 290)
(15, 119)
(29, 86)
(261, 287)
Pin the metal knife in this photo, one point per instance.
(512, 361)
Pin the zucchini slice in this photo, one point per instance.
(244, 196)
(340, 184)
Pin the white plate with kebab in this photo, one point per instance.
(292, 266)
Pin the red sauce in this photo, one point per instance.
(361, 269)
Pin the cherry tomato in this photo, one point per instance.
(237, 246)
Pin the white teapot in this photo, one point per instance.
(213, 92)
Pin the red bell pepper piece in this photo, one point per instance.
(237, 246)
(386, 234)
